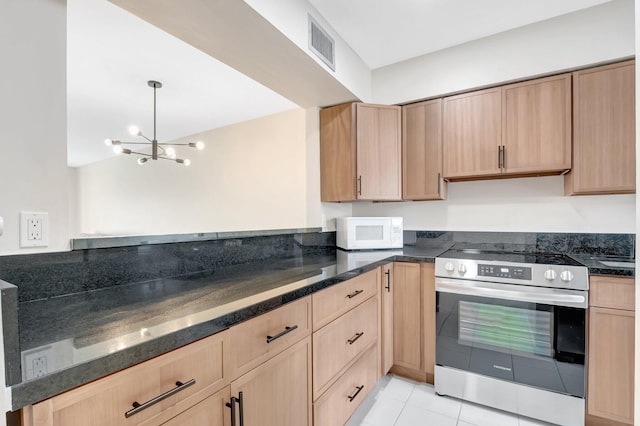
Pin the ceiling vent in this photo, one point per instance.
(321, 43)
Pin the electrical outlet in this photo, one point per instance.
(37, 362)
(39, 366)
(34, 229)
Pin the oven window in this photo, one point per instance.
(533, 344)
(505, 328)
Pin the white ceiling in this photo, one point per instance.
(112, 54)
(383, 32)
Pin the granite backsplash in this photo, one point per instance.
(618, 245)
(48, 275)
(40, 276)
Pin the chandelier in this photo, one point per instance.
(159, 151)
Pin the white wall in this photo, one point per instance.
(599, 34)
(260, 174)
(593, 35)
(33, 163)
(519, 205)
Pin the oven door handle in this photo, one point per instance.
(521, 293)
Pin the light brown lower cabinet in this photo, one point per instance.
(345, 395)
(278, 392)
(414, 320)
(212, 411)
(386, 318)
(104, 402)
(611, 351)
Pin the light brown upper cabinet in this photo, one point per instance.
(536, 126)
(360, 149)
(515, 130)
(471, 134)
(422, 151)
(604, 131)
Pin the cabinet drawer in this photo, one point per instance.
(329, 304)
(255, 341)
(341, 400)
(612, 292)
(105, 401)
(340, 342)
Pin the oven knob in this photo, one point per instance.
(550, 274)
(462, 268)
(449, 267)
(566, 276)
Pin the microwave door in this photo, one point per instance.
(370, 234)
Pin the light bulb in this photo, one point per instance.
(118, 149)
(108, 142)
(187, 162)
(134, 131)
(198, 145)
(142, 160)
(170, 152)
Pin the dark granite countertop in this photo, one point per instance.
(91, 334)
(607, 265)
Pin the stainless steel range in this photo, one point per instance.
(511, 332)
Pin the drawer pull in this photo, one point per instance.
(352, 397)
(354, 338)
(137, 407)
(354, 294)
(282, 333)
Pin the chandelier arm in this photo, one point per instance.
(133, 143)
(140, 153)
(141, 135)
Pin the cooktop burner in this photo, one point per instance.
(515, 257)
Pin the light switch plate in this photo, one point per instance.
(1, 225)
(34, 229)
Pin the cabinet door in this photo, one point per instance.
(386, 346)
(209, 412)
(472, 134)
(378, 152)
(611, 364)
(422, 151)
(536, 126)
(604, 135)
(278, 393)
(338, 153)
(407, 316)
(428, 278)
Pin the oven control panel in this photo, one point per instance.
(504, 271)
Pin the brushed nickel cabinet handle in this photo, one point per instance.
(137, 407)
(282, 333)
(356, 337)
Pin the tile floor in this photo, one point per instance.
(401, 402)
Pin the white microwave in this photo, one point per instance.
(362, 233)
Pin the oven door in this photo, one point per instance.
(532, 336)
